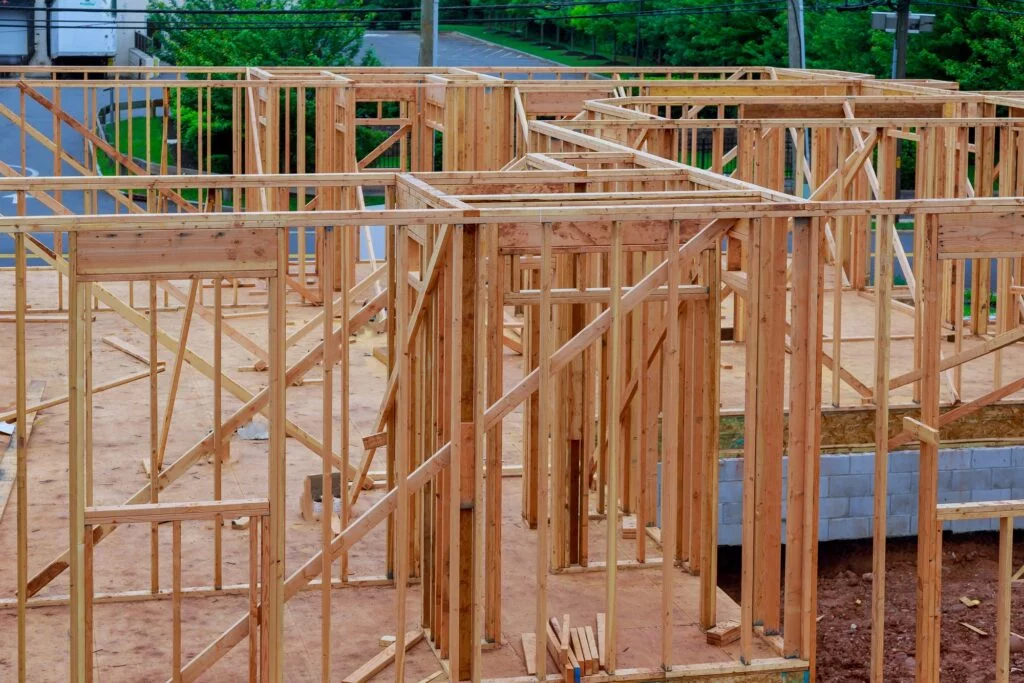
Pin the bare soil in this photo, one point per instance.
(969, 569)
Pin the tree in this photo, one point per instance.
(718, 38)
(617, 29)
(259, 38)
(845, 41)
(981, 49)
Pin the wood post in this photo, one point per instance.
(800, 608)
(78, 344)
(929, 545)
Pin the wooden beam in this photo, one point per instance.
(170, 512)
(382, 659)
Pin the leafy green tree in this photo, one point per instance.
(278, 39)
(844, 40)
(725, 38)
(282, 38)
(981, 49)
(981, 46)
(615, 32)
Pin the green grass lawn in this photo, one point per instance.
(133, 145)
(523, 45)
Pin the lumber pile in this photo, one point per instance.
(723, 633)
(574, 650)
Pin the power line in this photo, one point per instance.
(227, 16)
(341, 10)
(971, 8)
(752, 6)
(548, 6)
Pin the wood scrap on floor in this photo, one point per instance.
(530, 652)
(723, 633)
(33, 394)
(628, 528)
(432, 677)
(561, 650)
(595, 654)
(126, 348)
(581, 649)
(512, 342)
(381, 660)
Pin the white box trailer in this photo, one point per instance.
(16, 32)
(80, 30)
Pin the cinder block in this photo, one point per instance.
(730, 469)
(862, 463)
(951, 496)
(902, 482)
(862, 506)
(903, 461)
(730, 534)
(945, 480)
(1010, 476)
(850, 485)
(964, 526)
(731, 513)
(969, 480)
(849, 527)
(991, 494)
(897, 526)
(1018, 456)
(955, 459)
(833, 507)
(902, 504)
(730, 491)
(991, 457)
(835, 464)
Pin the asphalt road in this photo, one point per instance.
(402, 48)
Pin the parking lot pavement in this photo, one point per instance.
(402, 48)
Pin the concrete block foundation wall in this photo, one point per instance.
(847, 489)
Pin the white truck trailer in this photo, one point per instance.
(81, 31)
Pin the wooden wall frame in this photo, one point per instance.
(613, 232)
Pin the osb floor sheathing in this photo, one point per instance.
(133, 640)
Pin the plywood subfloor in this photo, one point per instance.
(132, 639)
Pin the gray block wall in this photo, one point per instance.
(847, 490)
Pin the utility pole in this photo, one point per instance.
(428, 32)
(899, 44)
(636, 51)
(797, 49)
